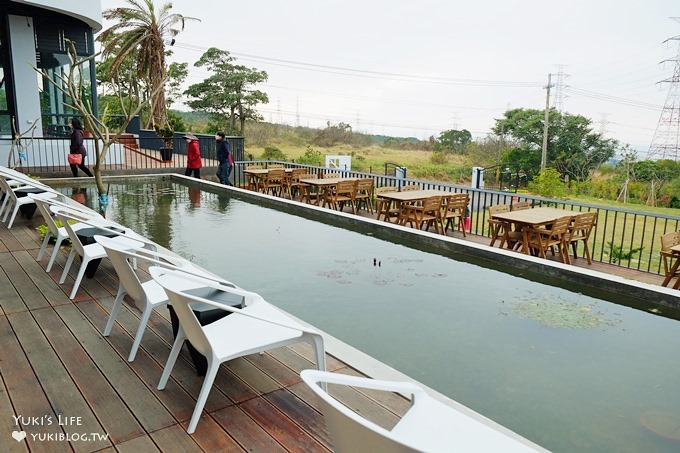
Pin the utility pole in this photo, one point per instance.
(544, 149)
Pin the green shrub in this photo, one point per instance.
(618, 253)
(273, 153)
(311, 157)
(548, 184)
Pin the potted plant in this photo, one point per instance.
(166, 134)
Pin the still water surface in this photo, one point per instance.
(568, 371)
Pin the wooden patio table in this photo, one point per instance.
(410, 196)
(527, 219)
(255, 175)
(323, 184)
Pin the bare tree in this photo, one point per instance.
(78, 93)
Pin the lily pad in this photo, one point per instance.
(557, 312)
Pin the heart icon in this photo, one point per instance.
(19, 435)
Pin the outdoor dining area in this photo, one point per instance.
(408, 205)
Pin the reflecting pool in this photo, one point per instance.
(568, 371)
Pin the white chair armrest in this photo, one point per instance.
(317, 377)
(160, 274)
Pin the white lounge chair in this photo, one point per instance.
(11, 203)
(149, 294)
(43, 203)
(87, 252)
(428, 426)
(257, 327)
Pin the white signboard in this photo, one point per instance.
(339, 162)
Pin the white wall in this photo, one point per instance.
(89, 11)
(25, 76)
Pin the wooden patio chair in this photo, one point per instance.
(520, 205)
(542, 239)
(253, 180)
(274, 181)
(670, 259)
(501, 229)
(293, 184)
(426, 214)
(308, 194)
(384, 207)
(275, 166)
(343, 193)
(580, 230)
(453, 211)
(410, 187)
(364, 194)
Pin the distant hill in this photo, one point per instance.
(264, 131)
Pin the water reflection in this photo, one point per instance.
(194, 197)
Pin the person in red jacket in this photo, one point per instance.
(194, 162)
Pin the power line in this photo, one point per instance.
(372, 74)
(609, 98)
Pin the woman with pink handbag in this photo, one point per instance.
(76, 157)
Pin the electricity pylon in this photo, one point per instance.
(666, 141)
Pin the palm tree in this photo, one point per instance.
(139, 35)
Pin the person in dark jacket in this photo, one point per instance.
(194, 162)
(224, 158)
(77, 147)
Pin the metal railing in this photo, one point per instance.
(46, 156)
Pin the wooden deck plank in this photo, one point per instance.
(174, 438)
(8, 239)
(113, 415)
(280, 427)
(174, 398)
(7, 425)
(140, 399)
(10, 300)
(211, 436)
(27, 237)
(72, 410)
(138, 444)
(22, 283)
(303, 414)
(248, 434)
(281, 373)
(25, 393)
(48, 288)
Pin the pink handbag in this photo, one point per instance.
(75, 159)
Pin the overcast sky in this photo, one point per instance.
(418, 68)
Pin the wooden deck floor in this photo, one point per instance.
(61, 377)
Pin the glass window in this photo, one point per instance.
(5, 119)
(53, 102)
